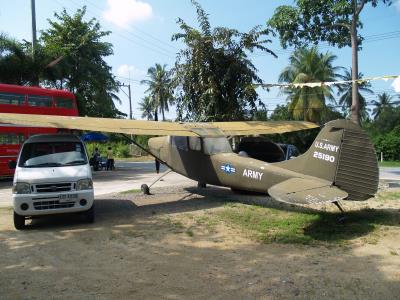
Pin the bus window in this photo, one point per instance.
(11, 138)
(43, 101)
(10, 98)
(64, 103)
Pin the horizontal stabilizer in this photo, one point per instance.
(306, 191)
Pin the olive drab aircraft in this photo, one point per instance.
(340, 164)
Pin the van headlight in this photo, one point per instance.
(84, 184)
(21, 188)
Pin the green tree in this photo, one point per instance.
(333, 21)
(307, 66)
(16, 63)
(78, 62)
(214, 75)
(346, 92)
(281, 113)
(384, 102)
(146, 106)
(159, 89)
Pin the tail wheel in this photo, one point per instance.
(19, 221)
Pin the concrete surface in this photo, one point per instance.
(131, 175)
(127, 176)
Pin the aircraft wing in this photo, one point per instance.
(140, 127)
(306, 191)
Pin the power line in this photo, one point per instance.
(140, 30)
(152, 48)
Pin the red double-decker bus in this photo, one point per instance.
(29, 100)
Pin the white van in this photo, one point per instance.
(52, 176)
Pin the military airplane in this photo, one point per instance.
(340, 164)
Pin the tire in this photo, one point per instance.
(145, 189)
(89, 214)
(19, 221)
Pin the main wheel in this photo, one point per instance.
(19, 221)
(89, 214)
(145, 189)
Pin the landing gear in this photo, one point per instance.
(146, 188)
(19, 221)
(338, 206)
(341, 218)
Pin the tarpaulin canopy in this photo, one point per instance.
(94, 137)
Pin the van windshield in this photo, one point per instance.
(52, 154)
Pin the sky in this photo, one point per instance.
(142, 30)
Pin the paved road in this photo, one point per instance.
(127, 176)
(389, 174)
(131, 175)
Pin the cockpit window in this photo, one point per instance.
(216, 145)
(194, 143)
(180, 142)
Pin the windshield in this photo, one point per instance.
(216, 145)
(53, 154)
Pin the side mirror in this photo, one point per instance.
(12, 164)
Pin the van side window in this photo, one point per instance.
(194, 143)
(180, 142)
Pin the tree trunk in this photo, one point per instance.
(155, 115)
(355, 103)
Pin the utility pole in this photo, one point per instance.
(34, 39)
(35, 77)
(129, 95)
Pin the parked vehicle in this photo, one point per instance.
(52, 176)
(29, 100)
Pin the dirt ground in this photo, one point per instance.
(152, 247)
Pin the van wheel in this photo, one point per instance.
(19, 221)
(89, 214)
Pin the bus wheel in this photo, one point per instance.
(89, 214)
(19, 221)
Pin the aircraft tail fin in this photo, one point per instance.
(343, 155)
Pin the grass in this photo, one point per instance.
(272, 225)
(389, 163)
(388, 196)
(136, 158)
(132, 191)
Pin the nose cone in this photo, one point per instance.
(155, 145)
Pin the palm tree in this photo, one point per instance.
(384, 101)
(308, 65)
(159, 89)
(15, 61)
(346, 89)
(146, 106)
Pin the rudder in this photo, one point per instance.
(343, 154)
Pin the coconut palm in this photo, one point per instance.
(345, 91)
(15, 61)
(146, 106)
(159, 89)
(384, 101)
(308, 65)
